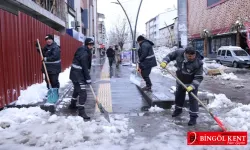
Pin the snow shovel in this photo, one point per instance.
(217, 120)
(135, 78)
(101, 108)
(52, 96)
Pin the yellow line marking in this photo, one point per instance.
(104, 91)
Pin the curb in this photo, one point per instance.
(152, 100)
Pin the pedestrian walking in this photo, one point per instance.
(111, 55)
(117, 56)
(52, 59)
(79, 75)
(146, 61)
(190, 71)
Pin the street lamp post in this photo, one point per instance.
(131, 30)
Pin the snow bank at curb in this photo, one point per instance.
(238, 118)
(35, 127)
(36, 92)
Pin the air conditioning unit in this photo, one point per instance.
(75, 24)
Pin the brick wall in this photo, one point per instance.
(221, 16)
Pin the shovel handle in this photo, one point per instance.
(44, 66)
(91, 88)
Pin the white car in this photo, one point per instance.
(233, 56)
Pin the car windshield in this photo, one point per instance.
(240, 53)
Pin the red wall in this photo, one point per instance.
(20, 64)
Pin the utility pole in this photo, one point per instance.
(182, 24)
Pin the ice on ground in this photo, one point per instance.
(36, 129)
(37, 92)
(228, 76)
(155, 109)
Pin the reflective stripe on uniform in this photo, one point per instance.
(193, 112)
(196, 82)
(52, 62)
(73, 98)
(178, 107)
(150, 56)
(80, 105)
(76, 66)
(83, 86)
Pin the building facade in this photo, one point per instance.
(50, 12)
(218, 17)
(160, 21)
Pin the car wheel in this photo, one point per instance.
(235, 64)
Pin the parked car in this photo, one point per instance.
(233, 56)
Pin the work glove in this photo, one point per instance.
(88, 81)
(190, 89)
(163, 65)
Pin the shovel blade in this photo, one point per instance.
(220, 124)
(53, 96)
(105, 113)
(135, 79)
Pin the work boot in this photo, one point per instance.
(81, 113)
(72, 104)
(192, 121)
(176, 112)
(147, 88)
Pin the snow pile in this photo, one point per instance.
(162, 52)
(213, 65)
(34, 128)
(37, 92)
(220, 101)
(155, 109)
(64, 77)
(33, 94)
(228, 76)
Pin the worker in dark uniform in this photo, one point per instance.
(52, 59)
(146, 61)
(190, 71)
(79, 75)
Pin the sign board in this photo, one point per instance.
(126, 58)
(57, 40)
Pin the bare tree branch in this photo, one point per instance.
(119, 33)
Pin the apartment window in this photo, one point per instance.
(212, 3)
(71, 4)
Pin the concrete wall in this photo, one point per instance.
(32, 5)
(223, 15)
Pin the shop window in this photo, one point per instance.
(212, 3)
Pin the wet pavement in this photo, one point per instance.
(113, 89)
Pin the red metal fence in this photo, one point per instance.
(20, 64)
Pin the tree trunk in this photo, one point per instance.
(238, 38)
(205, 46)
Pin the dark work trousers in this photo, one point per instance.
(80, 90)
(145, 75)
(180, 99)
(53, 80)
(111, 60)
